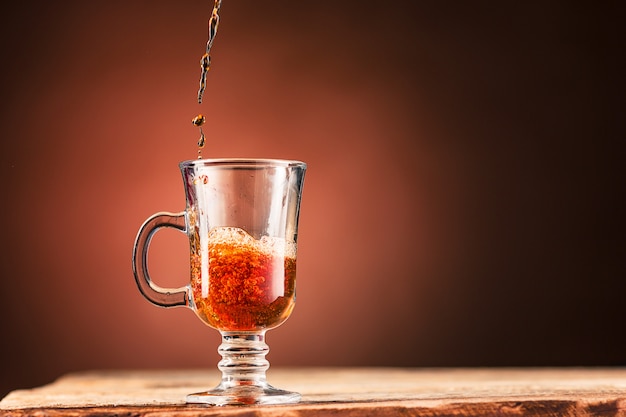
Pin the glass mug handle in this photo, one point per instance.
(164, 297)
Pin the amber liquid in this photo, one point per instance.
(248, 287)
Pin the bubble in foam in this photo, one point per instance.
(277, 246)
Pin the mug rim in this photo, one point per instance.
(242, 162)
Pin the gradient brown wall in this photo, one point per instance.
(464, 204)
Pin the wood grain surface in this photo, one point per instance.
(338, 392)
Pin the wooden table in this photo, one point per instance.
(338, 392)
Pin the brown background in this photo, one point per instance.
(464, 204)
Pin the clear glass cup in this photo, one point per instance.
(241, 219)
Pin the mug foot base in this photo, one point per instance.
(244, 395)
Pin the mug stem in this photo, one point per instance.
(243, 367)
(243, 358)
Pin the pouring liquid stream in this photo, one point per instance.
(205, 65)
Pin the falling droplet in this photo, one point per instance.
(198, 120)
(201, 140)
(201, 143)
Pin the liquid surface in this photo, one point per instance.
(250, 284)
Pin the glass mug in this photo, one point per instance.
(241, 219)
